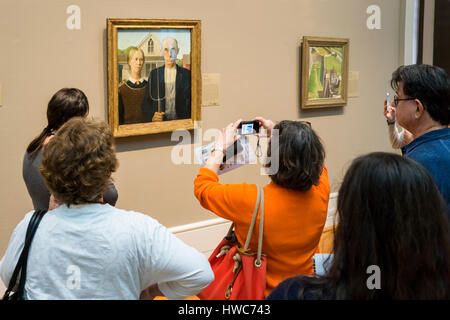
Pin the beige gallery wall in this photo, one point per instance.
(254, 45)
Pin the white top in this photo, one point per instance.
(97, 251)
(170, 75)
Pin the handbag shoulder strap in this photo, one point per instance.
(15, 275)
(21, 265)
(261, 230)
(258, 205)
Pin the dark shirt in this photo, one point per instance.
(299, 288)
(131, 96)
(39, 193)
(155, 94)
(432, 150)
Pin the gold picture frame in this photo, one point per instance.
(145, 47)
(324, 72)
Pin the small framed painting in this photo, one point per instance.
(324, 72)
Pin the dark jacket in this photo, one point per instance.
(182, 93)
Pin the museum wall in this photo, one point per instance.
(253, 45)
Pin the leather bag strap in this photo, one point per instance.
(21, 266)
(261, 230)
(258, 205)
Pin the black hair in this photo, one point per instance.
(64, 105)
(390, 214)
(429, 84)
(301, 156)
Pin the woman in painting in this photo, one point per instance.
(132, 91)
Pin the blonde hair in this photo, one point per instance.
(131, 53)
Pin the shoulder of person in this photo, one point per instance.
(28, 157)
(290, 288)
(297, 282)
(154, 71)
(135, 220)
(122, 83)
(184, 70)
(21, 228)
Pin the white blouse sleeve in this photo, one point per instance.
(180, 270)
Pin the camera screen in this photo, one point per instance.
(247, 128)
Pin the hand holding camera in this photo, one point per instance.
(266, 124)
(244, 128)
(228, 144)
(229, 135)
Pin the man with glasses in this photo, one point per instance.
(422, 107)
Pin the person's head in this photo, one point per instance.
(421, 89)
(391, 215)
(135, 60)
(301, 155)
(64, 105)
(169, 51)
(77, 163)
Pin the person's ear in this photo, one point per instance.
(420, 109)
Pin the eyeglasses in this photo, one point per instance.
(396, 100)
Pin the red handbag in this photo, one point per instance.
(238, 273)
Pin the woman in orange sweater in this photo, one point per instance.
(296, 199)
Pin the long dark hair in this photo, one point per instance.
(390, 215)
(64, 105)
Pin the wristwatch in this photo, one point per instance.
(390, 122)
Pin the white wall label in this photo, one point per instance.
(210, 89)
(353, 84)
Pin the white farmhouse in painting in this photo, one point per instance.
(151, 46)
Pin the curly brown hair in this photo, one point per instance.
(77, 163)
